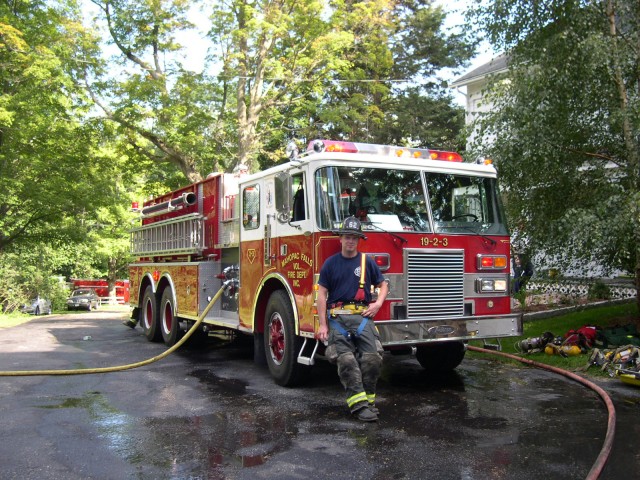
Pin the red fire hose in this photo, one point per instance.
(600, 462)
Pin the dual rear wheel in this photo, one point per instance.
(159, 320)
(169, 325)
(149, 315)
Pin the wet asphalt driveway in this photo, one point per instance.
(210, 413)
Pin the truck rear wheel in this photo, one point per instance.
(169, 324)
(441, 356)
(280, 342)
(149, 316)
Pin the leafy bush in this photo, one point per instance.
(12, 295)
(599, 291)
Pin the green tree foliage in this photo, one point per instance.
(565, 128)
(46, 169)
(275, 56)
(391, 93)
(280, 69)
(163, 110)
(54, 178)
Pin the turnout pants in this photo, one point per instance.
(358, 357)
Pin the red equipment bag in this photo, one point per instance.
(584, 336)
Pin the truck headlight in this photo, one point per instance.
(486, 285)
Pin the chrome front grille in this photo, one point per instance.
(435, 283)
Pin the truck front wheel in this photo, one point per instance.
(168, 322)
(149, 315)
(441, 356)
(280, 342)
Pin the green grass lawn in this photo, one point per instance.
(606, 316)
(13, 319)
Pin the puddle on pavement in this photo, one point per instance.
(186, 445)
(230, 386)
(115, 427)
(435, 414)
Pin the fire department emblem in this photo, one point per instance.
(356, 272)
(251, 254)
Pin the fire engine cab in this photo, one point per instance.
(434, 225)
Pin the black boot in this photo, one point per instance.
(130, 323)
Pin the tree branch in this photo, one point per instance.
(157, 73)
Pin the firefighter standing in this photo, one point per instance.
(346, 319)
(522, 272)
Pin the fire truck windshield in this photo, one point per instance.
(463, 204)
(394, 201)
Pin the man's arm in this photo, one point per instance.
(323, 327)
(373, 308)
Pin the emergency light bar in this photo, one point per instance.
(319, 146)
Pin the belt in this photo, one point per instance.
(346, 309)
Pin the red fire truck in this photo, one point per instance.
(101, 287)
(434, 225)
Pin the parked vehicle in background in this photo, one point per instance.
(101, 287)
(37, 306)
(83, 299)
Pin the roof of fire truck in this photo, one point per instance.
(332, 152)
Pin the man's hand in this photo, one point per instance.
(323, 333)
(373, 308)
(323, 327)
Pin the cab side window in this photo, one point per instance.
(251, 207)
(298, 210)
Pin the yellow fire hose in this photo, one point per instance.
(85, 371)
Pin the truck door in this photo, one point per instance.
(252, 246)
(291, 242)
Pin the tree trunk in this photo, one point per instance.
(111, 281)
(631, 143)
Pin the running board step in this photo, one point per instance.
(310, 360)
(492, 346)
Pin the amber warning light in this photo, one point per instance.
(492, 262)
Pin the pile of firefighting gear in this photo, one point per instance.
(615, 350)
(572, 343)
(622, 362)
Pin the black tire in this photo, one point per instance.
(280, 342)
(149, 316)
(169, 325)
(441, 356)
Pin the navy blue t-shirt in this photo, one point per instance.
(341, 276)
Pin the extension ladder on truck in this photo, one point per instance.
(181, 235)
